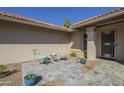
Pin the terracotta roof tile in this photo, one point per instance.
(98, 16)
(33, 21)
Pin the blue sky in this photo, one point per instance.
(57, 15)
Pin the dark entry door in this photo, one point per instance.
(108, 44)
(85, 45)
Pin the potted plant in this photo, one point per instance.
(81, 60)
(30, 79)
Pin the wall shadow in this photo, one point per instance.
(17, 33)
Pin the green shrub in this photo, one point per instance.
(73, 54)
(3, 69)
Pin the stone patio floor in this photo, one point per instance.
(70, 73)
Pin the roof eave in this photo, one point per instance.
(92, 21)
(6, 18)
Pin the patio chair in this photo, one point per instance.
(38, 57)
(62, 55)
(54, 57)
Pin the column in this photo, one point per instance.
(91, 46)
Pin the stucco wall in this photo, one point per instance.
(76, 39)
(18, 40)
(119, 29)
(77, 42)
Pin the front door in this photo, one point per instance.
(108, 44)
(85, 45)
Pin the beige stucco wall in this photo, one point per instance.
(76, 40)
(119, 28)
(17, 42)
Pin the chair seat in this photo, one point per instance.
(41, 56)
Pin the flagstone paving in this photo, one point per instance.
(70, 73)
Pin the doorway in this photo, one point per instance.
(108, 44)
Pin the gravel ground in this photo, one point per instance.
(14, 79)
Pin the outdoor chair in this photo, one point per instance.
(54, 57)
(38, 57)
(62, 55)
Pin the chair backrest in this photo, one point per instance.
(61, 53)
(36, 51)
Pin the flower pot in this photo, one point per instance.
(30, 79)
(83, 61)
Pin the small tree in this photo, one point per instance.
(67, 23)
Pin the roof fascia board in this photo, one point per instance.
(6, 18)
(112, 22)
(90, 22)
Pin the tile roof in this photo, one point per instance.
(56, 26)
(34, 21)
(99, 16)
